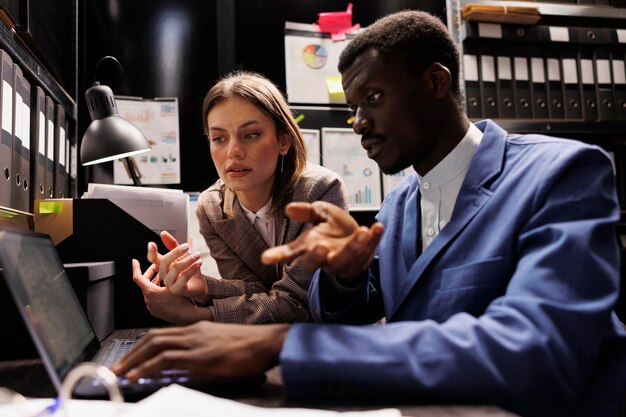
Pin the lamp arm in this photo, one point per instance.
(132, 170)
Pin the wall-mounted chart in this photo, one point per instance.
(342, 153)
(314, 56)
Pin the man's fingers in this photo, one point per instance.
(283, 253)
(314, 259)
(316, 212)
(149, 346)
(357, 254)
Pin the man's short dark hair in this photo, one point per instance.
(417, 37)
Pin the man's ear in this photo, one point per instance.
(440, 79)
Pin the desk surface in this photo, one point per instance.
(29, 378)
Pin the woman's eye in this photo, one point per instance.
(373, 98)
(252, 135)
(217, 139)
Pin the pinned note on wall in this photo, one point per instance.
(336, 23)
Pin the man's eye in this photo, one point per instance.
(373, 98)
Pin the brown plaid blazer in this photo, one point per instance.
(250, 292)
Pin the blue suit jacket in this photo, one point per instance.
(511, 304)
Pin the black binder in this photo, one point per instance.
(472, 85)
(539, 92)
(589, 35)
(487, 71)
(60, 154)
(506, 98)
(556, 107)
(49, 147)
(21, 141)
(618, 71)
(604, 84)
(38, 149)
(587, 83)
(571, 86)
(6, 137)
(523, 109)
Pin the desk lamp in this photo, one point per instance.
(110, 136)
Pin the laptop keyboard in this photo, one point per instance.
(119, 348)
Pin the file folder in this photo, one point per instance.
(50, 167)
(472, 82)
(588, 83)
(487, 71)
(520, 33)
(589, 35)
(556, 108)
(523, 109)
(21, 141)
(60, 154)
(539, 92)
(506, 99)
(604, 84)
(618, 72)
(38, 151)
(571, 87)
(6, 137)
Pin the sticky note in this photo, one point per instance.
(49, 207)
(335, 89)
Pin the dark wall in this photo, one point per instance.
(260, 25)
(167, 48)
(180, 47)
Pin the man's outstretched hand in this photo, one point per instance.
(335, 243)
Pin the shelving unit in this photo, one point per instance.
(611, 135)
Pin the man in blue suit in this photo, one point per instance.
(496, 266)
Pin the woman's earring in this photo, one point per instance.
(282, 162)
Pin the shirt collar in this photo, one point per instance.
(263, 213)
(456, 162)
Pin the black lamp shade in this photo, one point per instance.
(109, 136)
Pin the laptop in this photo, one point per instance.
(63, 335)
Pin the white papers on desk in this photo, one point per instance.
(176, 400)
(157, 208)
(75, 408)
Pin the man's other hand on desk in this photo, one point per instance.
(206, 348)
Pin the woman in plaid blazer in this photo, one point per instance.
(260, 156)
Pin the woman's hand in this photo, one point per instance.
(162, 303)
(178, 270)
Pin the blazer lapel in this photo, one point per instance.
(411, 231)
(241, 237)
(485, 165)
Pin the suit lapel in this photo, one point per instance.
(411, 228)
(241, 237)
(485, 165)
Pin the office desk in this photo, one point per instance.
(29, 378)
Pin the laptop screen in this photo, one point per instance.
(41, 289)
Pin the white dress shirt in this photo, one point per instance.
(440, 187)
(263, 223)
